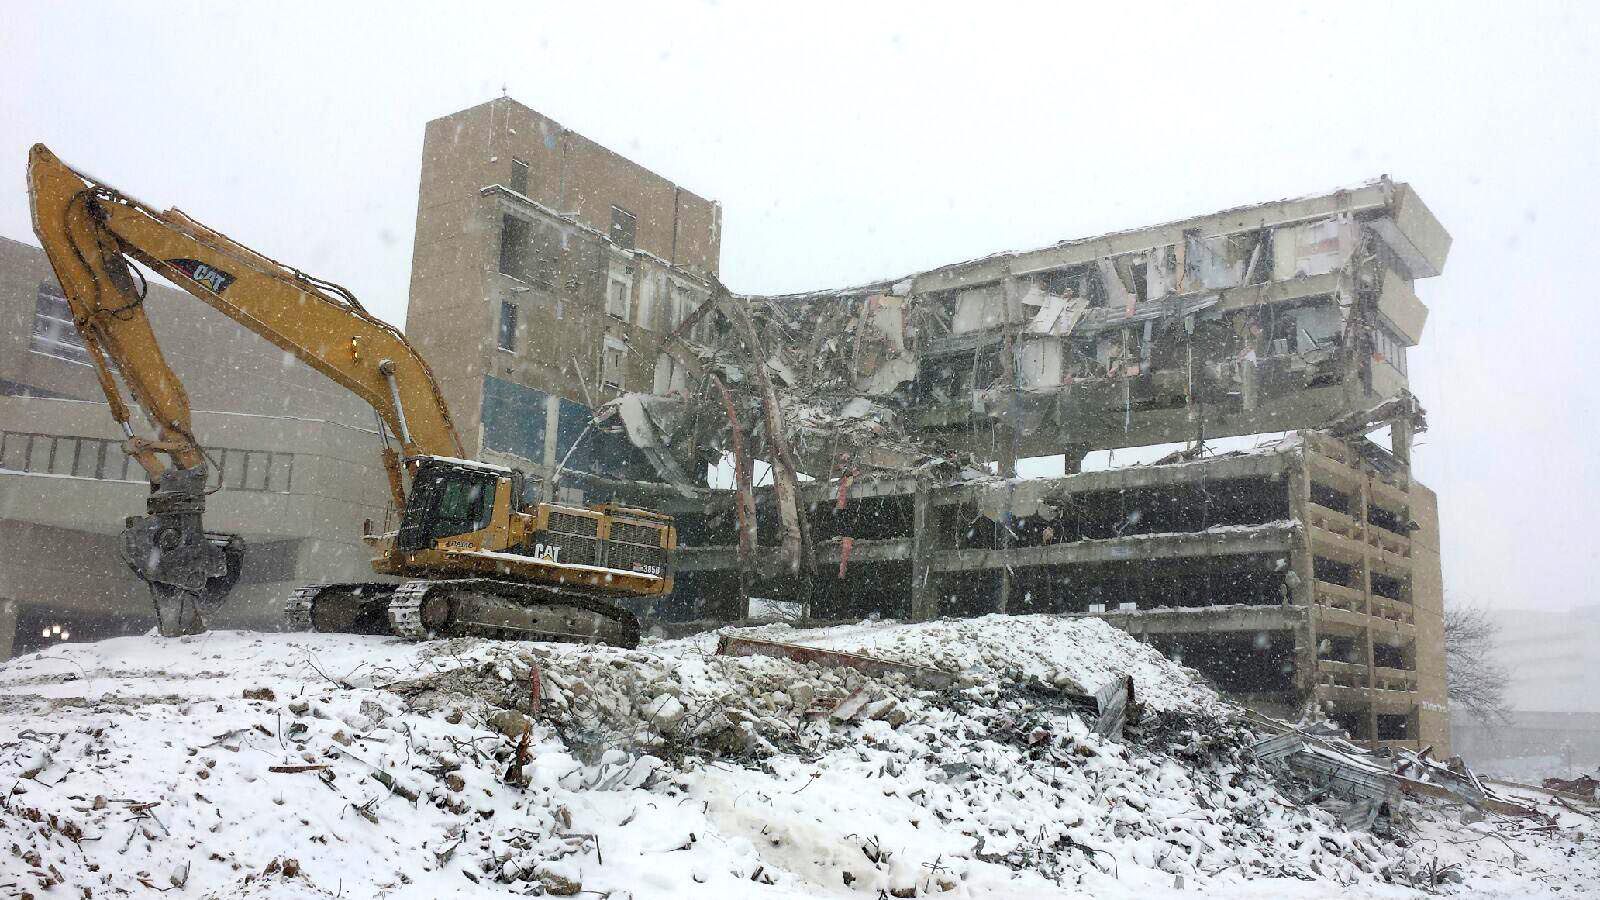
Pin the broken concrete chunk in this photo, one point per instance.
(850, 707)
(510, 723)
(374, 710)
(665, 710)
(1065, 682)
(895, 714)
(261, 693)
(802, 694)
(558, 885)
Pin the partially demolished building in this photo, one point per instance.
(889, 419)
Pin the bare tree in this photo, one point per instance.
(1475, 681)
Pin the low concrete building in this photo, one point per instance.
(1552, 662)
(1304, 573)
(297, 458)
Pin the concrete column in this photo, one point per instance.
(1400, 434)
(8, 628)
(1305, 661)
(1366, 598)
(1297, 482)
(1072, 458)
(1006, 433)
(925, 587)
(552, 415)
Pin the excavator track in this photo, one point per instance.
(352, 608)
(297, 612)
(484, 607)
(405, 611)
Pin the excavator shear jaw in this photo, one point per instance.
(190, 571)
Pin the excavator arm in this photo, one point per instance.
(89, 231)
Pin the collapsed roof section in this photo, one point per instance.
(1270, 317)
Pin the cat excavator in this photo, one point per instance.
(470, 555)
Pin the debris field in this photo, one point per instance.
(236, 764)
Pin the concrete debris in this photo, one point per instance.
(1369, 782)
(1114, 704)
(1585, 787)
(674, 770)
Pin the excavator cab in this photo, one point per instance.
(447, 499)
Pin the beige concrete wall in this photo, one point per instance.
(457, 289)
(1427, 596)
(568, 173)
(223, 366)
(450, 318)
(67, 527)
(574, 175)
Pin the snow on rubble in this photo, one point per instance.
(238, 764)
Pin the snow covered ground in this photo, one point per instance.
(238, 764)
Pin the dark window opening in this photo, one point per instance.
(519, 177)
(1354, 722)
(613, 361)
(1328, 498)
(1386, 519)
(1332, 572)
(1392, 588)
(1141, 281)
(508, 326)
(622, 227)
(1394, 727)
(1389, 656)
(516, 248)
(1339, 649)
(1260, 662)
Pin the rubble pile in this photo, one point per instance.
(235, 764)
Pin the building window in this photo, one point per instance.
(685, 300)
(54, 334)
(516, 248)
(507, 337)
(1390, 348)
(622, 227)
(519, 177)
(613, 360)
(253, 470)
(104, 460)
(617, 299)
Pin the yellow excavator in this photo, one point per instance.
(472, 556)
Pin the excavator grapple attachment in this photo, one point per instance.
(190, 570)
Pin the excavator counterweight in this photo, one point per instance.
(471, 555)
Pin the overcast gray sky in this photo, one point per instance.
(848, 143)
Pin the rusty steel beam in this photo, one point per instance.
(934, 679)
